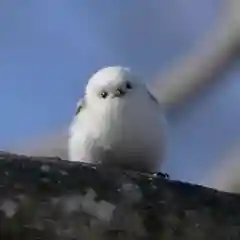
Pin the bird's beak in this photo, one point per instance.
(119, 92)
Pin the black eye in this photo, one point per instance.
(103, 94)
(128, 85)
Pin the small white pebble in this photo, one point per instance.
(104, 210)
(9, 208)
(45, 168)
(154, 187)
(88, 203)
(21, 197)
(72, 203)
(63, 172)
(128, 187)
(55, 200)
(131, 191)
(46, 180)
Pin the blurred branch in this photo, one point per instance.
(195, 71)
(226, 176)
(54, 199)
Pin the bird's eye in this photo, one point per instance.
(128, 85)
(103, 94)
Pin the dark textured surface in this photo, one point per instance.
(44, 198)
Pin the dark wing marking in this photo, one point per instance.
(81, 104)
(152, 97)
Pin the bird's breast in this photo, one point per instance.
(131, 126)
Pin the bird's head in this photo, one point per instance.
(110, 83)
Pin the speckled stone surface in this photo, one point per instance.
(47, 198)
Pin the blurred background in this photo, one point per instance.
(188, 52)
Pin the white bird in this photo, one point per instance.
(118, 123)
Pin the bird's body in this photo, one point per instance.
(125, 129)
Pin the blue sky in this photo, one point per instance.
(49, 48)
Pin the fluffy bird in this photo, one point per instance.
(118, 123)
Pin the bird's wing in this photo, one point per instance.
(152, 97)
(80, 106)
